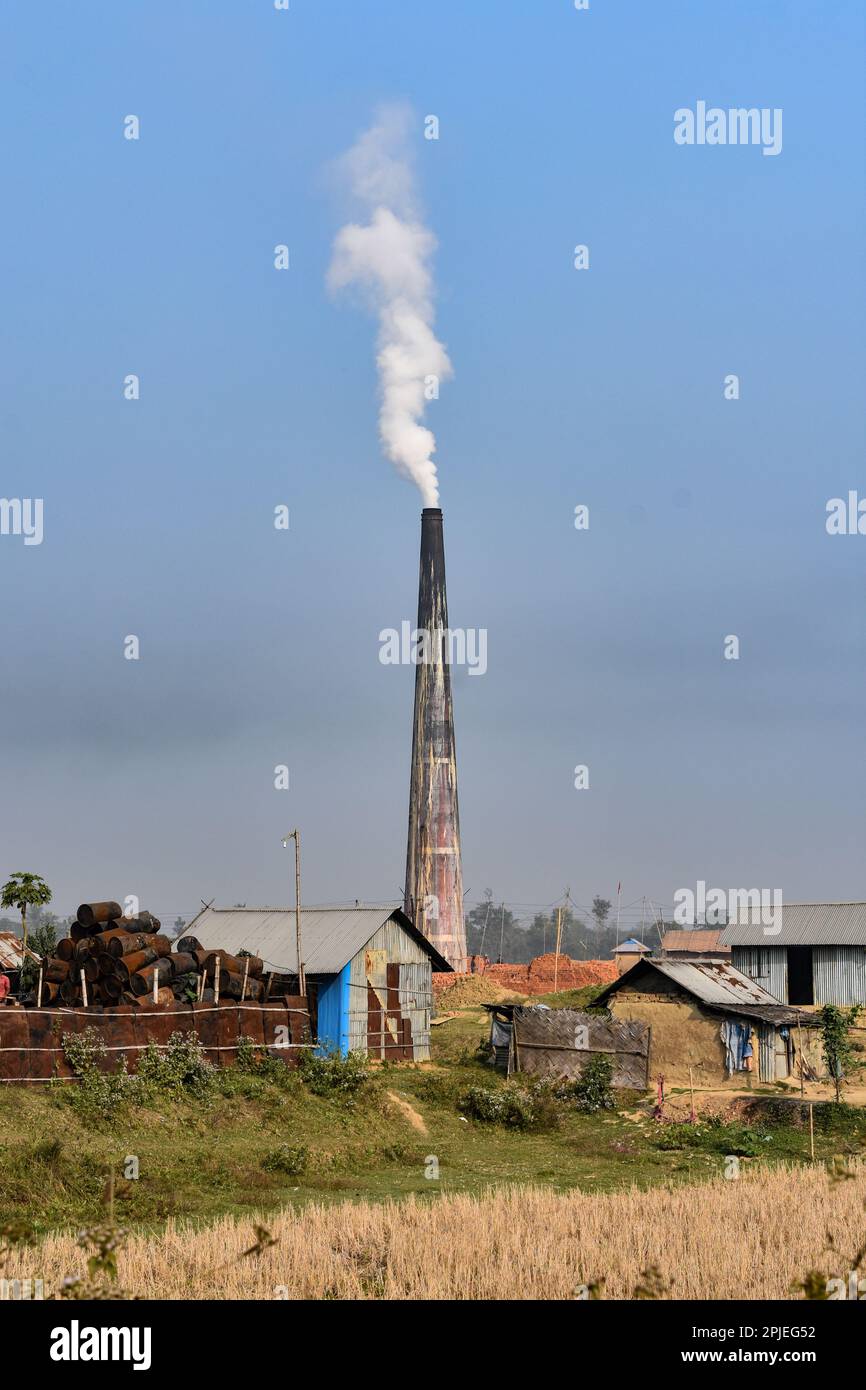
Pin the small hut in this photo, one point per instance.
(713, 1025)
(628, 953)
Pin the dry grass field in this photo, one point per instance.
(748, 1238)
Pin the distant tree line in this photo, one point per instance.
(493, 930)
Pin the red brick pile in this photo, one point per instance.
(538, 976)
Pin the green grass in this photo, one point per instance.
(226, 1153)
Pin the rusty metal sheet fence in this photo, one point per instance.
(559, 1042)
(31, 1040)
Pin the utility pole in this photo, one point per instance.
(296, 836)
(558, 939)
(501, 931)
(484, 928)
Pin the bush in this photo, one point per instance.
(290, 1159)
(333, 1074)
(512, 1106)
(592, 1091)
(98, 1095)
(716, 1138)
(179, 1068)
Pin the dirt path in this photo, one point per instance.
(415, 1120)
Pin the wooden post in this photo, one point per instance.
(201, 983)
(216, 981)
(155, 981)
(268, 985)
(83, 988)
(296, 836)
(802, 1065)
(246, 972)
(302, 983)
(39, 989)
(558, 939)
(812, 1128)
(693, 1117)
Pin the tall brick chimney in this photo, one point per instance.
(434, 877)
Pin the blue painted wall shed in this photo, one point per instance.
(370, 968)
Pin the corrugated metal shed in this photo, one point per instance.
(697, 943)
(839, 975)
(802, 924)
(330, 936)
(768, 965)
(12, 952)
(711, 981)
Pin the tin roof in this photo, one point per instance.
(12, 952)
(711, 981)
(631, 945)
(697, 942)
(330, 936)
(802, 924)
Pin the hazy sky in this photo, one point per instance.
(601, 387)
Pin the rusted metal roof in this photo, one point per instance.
(12, 952)
(802, 924)
(330, 936)
(695, 942)
(711, 981)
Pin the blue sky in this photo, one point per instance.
(602, 387)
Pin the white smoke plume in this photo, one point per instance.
(389, 258)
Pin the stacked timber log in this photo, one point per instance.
(111, 959)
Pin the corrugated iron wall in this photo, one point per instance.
(766, 1052)
(415, 988)
(333, 1013)
(31, 1040)
(766, 965)
(839, 974)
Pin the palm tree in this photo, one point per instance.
(23, 891)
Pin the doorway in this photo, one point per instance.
(800, 986)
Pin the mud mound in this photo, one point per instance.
(465, 991)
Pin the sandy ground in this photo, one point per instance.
(415, 1120)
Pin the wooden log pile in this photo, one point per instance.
(111, 959)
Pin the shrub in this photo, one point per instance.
(290, 1159)
(714, 1138)
(333, 1074)
(180, 1067)
(592, 1091)
(511, 1106)
(837, 1044)
(99, 1095)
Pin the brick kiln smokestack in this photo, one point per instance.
(434, 877)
